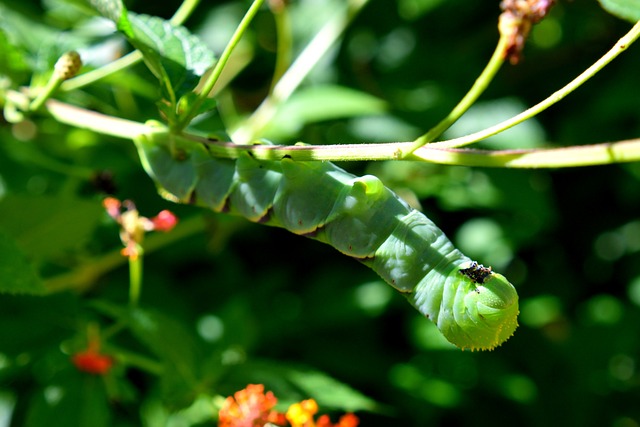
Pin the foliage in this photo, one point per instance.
(89, 337)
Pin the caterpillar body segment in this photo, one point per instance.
(472, 306)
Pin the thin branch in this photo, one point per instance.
(97, 122)
(328, 35)
(479, 86)
(616, 50)
(583, 155)
(86, 274)
(192, 111)
(563, 157)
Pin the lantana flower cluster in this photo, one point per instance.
(252, 407)
(91, 360)
(133, 226)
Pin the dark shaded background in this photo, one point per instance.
(568, 239)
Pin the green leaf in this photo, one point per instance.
(177, 177)
(33, 324)
(319, 103)
(71, 399)
(171, 342)
(167, 338)
(330, 392)
(174, 345)
(47, 226)
(187, 100)
(42, 45)
(624, 9)
(13, 61)
(22, 31)
(174, 55)
(291, 382)
(17, 276)
(115, 11)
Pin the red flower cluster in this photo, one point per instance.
(92, 361)
(251, 407)
(133, 226)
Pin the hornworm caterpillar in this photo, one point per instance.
(474, 307)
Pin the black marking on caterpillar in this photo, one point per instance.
(477, 272)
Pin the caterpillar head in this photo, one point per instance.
(484, 311)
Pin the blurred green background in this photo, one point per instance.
(233, 303)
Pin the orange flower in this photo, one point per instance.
(347, 420)
(250, 407)
(301, 414)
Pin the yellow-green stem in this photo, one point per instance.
(252, 127)
(479, 86)
(284, 35)
(135, 276)
(192, 111)
(599, 154)
(102, 72)
(562, 157)
(86, 274)
(184, 11)
(54, 83)
(557, 96)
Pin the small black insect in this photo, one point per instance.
(476, 272)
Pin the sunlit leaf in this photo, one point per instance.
(301, 383)
(12, 61)
(42, 45)
(174, 55)
(115, 11)
(22, 31)
(624, 9)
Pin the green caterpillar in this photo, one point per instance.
(474, 307)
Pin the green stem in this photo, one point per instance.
(581, 155)
(284, 50)
(252, 127)
(346, 152)
(184, 11)
(599, 154)
(97, 122)
(83, 276)
(102, 72)
(139, 361)
(54, 83)
(479, 86)
(135, 276)
(564, 157)
(616, 50)
(192, 111)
